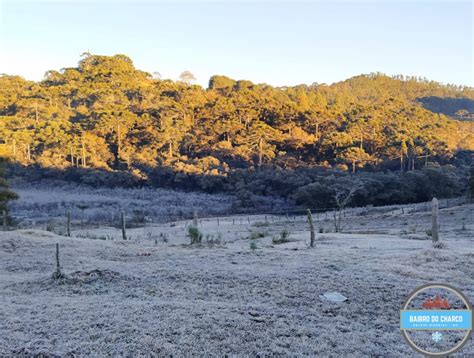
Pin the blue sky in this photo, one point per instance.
(275, 42)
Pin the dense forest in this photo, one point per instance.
(107, 118)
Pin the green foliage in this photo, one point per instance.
(195, 235)
(383, 188)
(222, 83)
(6, 195)
(253, 245)
(106, 114)
(284, 237)
(105, 122)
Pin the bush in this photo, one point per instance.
(282, 238)
(195, 235)
(274, 189)
(253, 245)
(257, 235)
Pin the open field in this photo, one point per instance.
(43, 204)
(154, 294)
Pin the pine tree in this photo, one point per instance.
(6, 194)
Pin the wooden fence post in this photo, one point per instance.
(57, 274)
(124, 233)
(195, 218)
(311, 228)
(4, 213)
(68, 224)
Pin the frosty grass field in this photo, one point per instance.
(155, 294)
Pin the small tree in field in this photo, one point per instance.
(343, 195)
(6, 194)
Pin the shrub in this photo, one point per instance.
(50, 227)
(282, 238)
(195, 235)
(253, 245)
(257, 235)
(212, 240)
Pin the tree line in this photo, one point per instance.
(106, 114)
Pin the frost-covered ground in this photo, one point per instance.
(156, 295)
(47, 204)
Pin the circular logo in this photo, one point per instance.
(436, 320)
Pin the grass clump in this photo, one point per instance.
(95, 237)
(214, 240)
(282, 238)
(257, 235)
(440, 245)
(195, 235)
(253, 245)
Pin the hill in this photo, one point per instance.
(106, 117)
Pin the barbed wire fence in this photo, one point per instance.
(415, 214)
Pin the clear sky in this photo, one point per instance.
(279, 43)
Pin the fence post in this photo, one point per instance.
(57, 274)
(124, 234)
(68, 227)
(434, 221)
(4, 213)
(195, 218)
(311, 228)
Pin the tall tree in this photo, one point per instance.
(6, 195)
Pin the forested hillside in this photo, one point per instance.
(106, 115)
